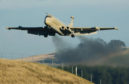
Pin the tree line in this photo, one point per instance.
(100, 74)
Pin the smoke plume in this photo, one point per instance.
(87, 50)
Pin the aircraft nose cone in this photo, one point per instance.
(47, 21)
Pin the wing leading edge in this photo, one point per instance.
(25, 28)
(35, 30)
(90, 30)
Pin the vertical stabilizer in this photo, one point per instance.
(71, 23)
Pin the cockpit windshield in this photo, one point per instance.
(49, 15)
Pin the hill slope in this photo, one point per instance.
(19, 72)
(120, 58)
(37, 58)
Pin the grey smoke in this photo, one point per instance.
(88, 49)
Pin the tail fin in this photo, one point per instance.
(71, 23)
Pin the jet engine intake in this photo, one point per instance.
(67, 28)
(62, 28)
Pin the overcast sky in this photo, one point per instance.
(105, 13)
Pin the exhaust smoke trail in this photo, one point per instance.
(86, 51)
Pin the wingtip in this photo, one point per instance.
(115, 28)
(7, 28)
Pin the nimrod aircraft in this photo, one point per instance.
(53, 26)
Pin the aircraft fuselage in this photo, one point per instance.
(53, 26)
(57, 25)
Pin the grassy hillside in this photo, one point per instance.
(19, 72)
(37, 58)
(120, 58)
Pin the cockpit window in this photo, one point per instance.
(49, 16)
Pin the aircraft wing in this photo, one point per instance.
(84, 30)
(34, 30)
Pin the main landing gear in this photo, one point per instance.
(72, 35)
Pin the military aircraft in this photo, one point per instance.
(53, 26)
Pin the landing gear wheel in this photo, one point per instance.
(46, 35)
(72, 36)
